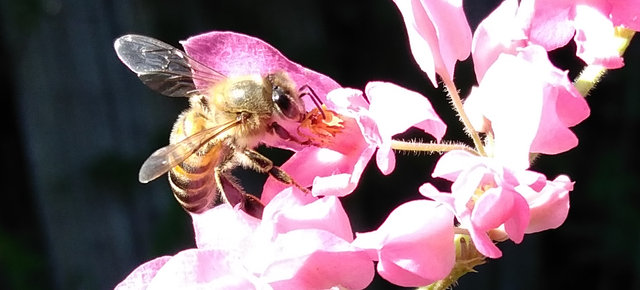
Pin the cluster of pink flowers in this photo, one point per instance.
(524, 103)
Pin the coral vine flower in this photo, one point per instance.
(414, 246)
(335, 168)
(487, 196)
(338, 165)
(439, 34)
(552, 23)
(530, 111)
(234, 54)
(237, 251)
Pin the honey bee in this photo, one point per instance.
(226, 120)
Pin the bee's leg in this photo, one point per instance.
(261, 163)
(232, 193)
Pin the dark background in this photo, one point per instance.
(77, 125)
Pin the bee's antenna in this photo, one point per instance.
(314, 97)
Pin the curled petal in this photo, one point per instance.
(484, 244)
(516, 225)
(414, 245)
(233, 53)
(322, 214)
(550, 206)
(552, 23)
(595, 40)
(498, 33)
(396, 109)
(492, 209)
(439, 34)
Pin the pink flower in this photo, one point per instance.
(234, 54)
(298, 245)
(528, 111)
(335, 168)
(439, 34)
(552, 23)
(414, 246)
(487, 196)
(483, 197)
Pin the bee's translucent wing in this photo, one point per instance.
(162, 67)
(170, 156)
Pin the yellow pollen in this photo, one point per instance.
(319, 130)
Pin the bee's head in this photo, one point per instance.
(285, 97)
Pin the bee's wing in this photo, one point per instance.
(170, 156)
(162, 67)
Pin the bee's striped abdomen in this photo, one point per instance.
(192, 181)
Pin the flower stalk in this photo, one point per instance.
(430, 147)
(457, 106)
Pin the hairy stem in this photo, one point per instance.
(457, 106)
(429, 147)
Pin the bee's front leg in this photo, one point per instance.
(261, 163)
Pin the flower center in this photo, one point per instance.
(321, 131)
(479, 192)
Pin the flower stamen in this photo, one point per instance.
(321, 125)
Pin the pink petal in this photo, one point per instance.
(452, 163)
(316, 259)
(498, 33)
(333, 173)
(288, 198)
(446, 199)
(516, 127)
(230, 235)
(549, 207)
(474, 107)
(414, 244)
(200, 269)
(520, 215)
(439, 34)
(140, 278)
(551, 24)
(595, 38)
(484, 244)
(396, 109)
(625, 13)
(563, 106)
(323, 214)
(492, 208)
(237, 54)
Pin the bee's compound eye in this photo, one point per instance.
(285, 104)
